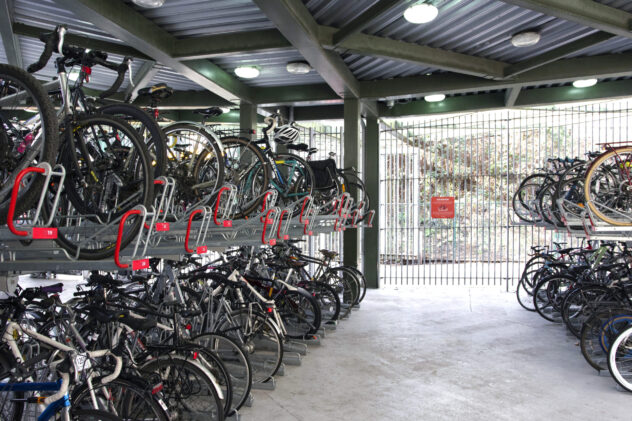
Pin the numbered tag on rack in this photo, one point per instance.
(40, 233)
(202, 250)
(286, 237)
(162, 226)
(273, 242)
(228, 224)
(140, 264)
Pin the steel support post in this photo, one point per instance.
(247, 119)
(371, 246)
(352, 134)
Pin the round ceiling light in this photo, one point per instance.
(298, 67)
(150, 4)
(434, 98)
(247, 72)
(421, 13)
(585, 83)
(225, 110)
(525, 39)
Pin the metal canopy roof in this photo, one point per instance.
(359, 48)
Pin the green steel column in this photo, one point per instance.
(247, 118)
(371, 246)
(352, 134)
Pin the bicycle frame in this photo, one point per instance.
(54, 407)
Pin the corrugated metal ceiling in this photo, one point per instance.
(475, 27)
(187, 18)
(272, 66)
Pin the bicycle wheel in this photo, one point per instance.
(327, 299)
(294, 180)
(620, 359)
(194, 159)
(608, 186)
(361, 278)
(125, 398)
(259, 337)
(190, 391)
(236, 362)
(30, 139)
(246, 168)
(107, 174)
(577, 306)
(523, 201)
(549, 294)
(148, 130)
(300, 313)
(9, 409)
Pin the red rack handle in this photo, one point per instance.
(14, 198)
(186, 239)
(219, 196)
(117, 250)
(300, 218)
(156, 181)
(285, 237)
(342, 205)
(265, 225)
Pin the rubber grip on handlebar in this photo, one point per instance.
(50, 41)
(122, 69)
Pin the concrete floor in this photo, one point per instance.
(443, 354)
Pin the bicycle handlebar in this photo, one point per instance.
(53, 43)
(76, 55)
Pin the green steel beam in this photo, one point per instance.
(414, 53)
(298, 26)
(567, 70)
(558, 53)
(188, 100)
(371, 245)
(70, 38)
(365, 19)
(287, 95)
(586, 12)
(319, 112)
(449, 105)
(232, 43)
(131, 27)
(10, 42)
(603, 90)
(352, 138)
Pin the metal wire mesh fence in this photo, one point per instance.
(479, 159)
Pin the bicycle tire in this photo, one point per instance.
(574, 306)
(49, 147)
(300, 313)
(174, 389)
(618, 353)
(250, 193)
(92, 415)
(140, 176)
(302, 185)
(592, 172)
(156, 142)
(236, 362)
(260, 335)
(133, 399)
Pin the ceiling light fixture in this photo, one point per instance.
(298, 67)
(247, 72)
(434, 98)
(150, 4)
(525, 39)
(225, 110)
(584, 83)
(421, 13)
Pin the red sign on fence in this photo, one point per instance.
(442, 207)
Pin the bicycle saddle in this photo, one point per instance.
(301, 147)
(328, 254)
(159, 91)
(210, 112)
